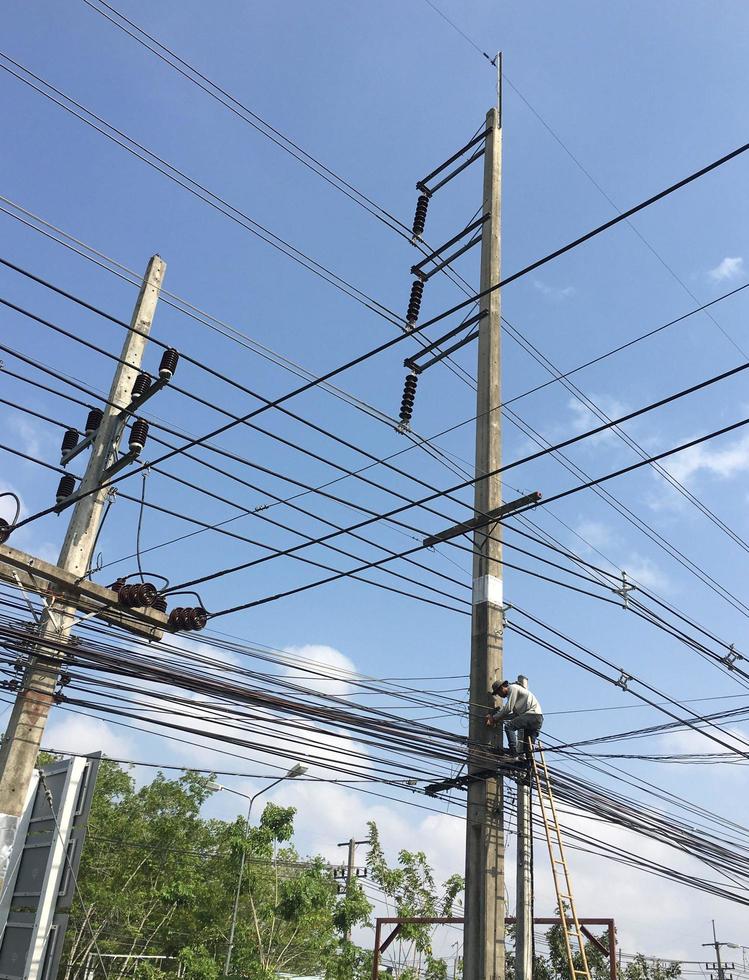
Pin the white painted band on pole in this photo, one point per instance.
(488, 588)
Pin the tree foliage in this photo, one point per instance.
(411, 888)
(553, 965)
(158, 880)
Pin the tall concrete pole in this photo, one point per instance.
(524, 875)
(484, 928)
(717, 945)
(33, 703)
(349, 876)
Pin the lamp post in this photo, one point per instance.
(296, 770)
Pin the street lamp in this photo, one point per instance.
(296, 770)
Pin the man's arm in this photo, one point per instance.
(507, 709)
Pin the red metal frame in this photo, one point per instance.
(380, 946)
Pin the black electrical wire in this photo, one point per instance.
(625, 437)
(33, 316)
(347, 554)
(632, 518)
(249, 512)
(208, 526)
(513, 277)
(182, 306)
(197, 398)
(561, 494)
(196, 188)
(619, 807)
(242, 111)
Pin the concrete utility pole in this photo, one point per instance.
(524, 875)
(719, 964)
(25, 730)
(350, 870)
(484, 926)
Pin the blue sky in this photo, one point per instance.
(641, 94)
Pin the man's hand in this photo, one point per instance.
(489, 722)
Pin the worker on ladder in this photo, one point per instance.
(522, 711)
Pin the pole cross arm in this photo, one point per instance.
(489, 518)
(123, 415)
(44, 578)
(504, 767)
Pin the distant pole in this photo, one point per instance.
(524, 875)
(717, 954)
(721, 966)
(349, 876)
(716, 945)
(350, 872)
(33, 703)
(484, 926)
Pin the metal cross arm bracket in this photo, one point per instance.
(418, 269)
(478, 522)
(123, 416)
(70, 455)
(504, 767)
(410, 362)
(731, 657)
(422, 184)
(121, 463)
(468, 339)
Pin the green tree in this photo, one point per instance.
(554, 965)
(411, 888)
(157, 879)
(651, 969)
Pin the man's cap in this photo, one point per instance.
(497, 685)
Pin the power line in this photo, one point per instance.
(625, 511)
(649, 615)
(517, 275)
(584, 170)
(570, 441)
(559, 496)
(196, 188)
(242, 111)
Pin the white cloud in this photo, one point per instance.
(647, 573)
(722, 462)
(584, 418)
(335, 667)
(595, 533)
(71, 733)
(555, 293)
(731, 267)
(30, 436)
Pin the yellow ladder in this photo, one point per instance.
(562, 882)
